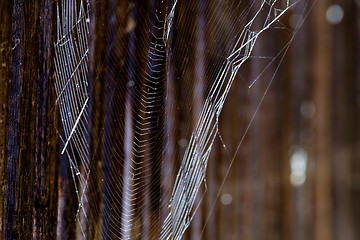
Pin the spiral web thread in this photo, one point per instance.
(71, 59)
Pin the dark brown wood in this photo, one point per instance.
(24, 214)
(41, 120)
(5, 67)
(97, 107)
(355, 165)
(11, 225)
(29, 204)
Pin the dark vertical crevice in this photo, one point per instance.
(355, 165)
(97, 107)
(306, 126)
(104, 11)
(62, 183)
(287, 120)
(52, 144)
(41, 121)
(256, 225)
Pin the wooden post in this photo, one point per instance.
(321, 124)
(6, 45)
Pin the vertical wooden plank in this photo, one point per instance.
(355, 165)
(321, 97)
(296, 208)
(100, 109)
(21, 144)
(97, 50)
(25, 204)
(256, 177)
(28, 114)
(270, 116)
(287, 137)
(6, 45)
(41, 120)
(343, 119)
(13, 143)
(52, 142)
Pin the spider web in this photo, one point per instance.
(150, 186)
(71, 69)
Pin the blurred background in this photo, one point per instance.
(285, 163)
